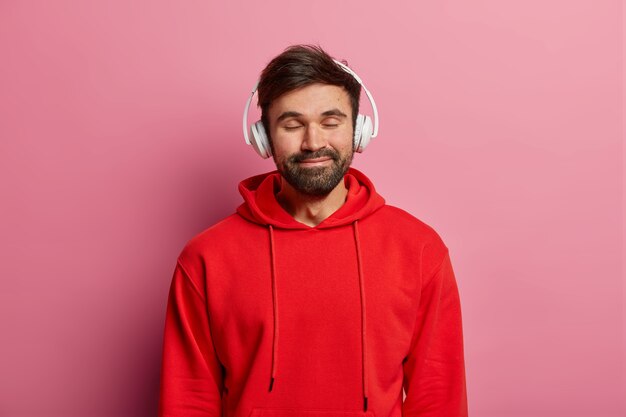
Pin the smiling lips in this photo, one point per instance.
(315, 161)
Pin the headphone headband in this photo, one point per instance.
(245, 114)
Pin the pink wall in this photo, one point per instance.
(120, 138)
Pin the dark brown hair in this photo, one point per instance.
(298, 66)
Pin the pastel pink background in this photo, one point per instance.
(502, 126)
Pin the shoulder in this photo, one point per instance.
(401, 232)
(214, 240)
(402, 223)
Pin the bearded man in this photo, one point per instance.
(315, 298)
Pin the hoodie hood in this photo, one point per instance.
(260, 205)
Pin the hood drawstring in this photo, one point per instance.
(362, 290)
(275, 304)
(362, 296)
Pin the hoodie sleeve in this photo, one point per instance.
(191, 375)
(434, 369)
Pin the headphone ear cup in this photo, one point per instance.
(358, 129)
(362, 132)
(366, 133)
(260, 141)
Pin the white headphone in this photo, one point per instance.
(363, 130)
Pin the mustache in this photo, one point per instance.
(320, 153)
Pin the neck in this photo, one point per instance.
(307, 209)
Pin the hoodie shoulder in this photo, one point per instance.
(406, 221)
(218, 235)
(411, 233)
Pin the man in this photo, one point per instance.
(314, 299)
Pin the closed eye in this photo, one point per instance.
(331, 122)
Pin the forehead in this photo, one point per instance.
(312, 100)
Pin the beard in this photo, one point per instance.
(315, 181)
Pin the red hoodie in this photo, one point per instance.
(269, 317)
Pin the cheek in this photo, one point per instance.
(282, 149)
(344, 141)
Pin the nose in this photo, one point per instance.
(314, 138)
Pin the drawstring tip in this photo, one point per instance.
(271, 383)
(364, 404)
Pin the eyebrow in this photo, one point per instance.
(331, 112)
(288, 114)
(334, 112)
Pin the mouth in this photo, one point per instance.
(315, 161)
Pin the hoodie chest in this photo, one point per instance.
(317, 276)
(319, 294)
